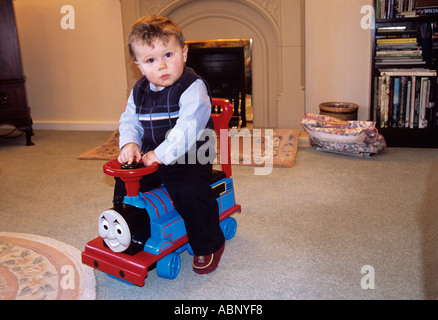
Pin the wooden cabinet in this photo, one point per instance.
(13, 104)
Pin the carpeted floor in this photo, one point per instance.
(304, 232)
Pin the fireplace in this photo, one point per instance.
(226, 66)
(275, 92)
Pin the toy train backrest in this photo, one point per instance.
(221, 121)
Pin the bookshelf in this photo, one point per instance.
(404, 95)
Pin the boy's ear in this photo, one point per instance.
(138, 66)
(185, 52)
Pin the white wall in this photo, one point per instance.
(338, 54)
(75, 79)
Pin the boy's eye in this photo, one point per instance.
(168, 55)
(150, 60)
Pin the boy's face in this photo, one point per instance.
(162, 64)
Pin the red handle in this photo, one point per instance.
(131, 177)
(114, 168)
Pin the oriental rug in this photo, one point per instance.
(248, 147)
(33, 267)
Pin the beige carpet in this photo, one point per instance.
(283, 147)
(305, 233)
(39, 268)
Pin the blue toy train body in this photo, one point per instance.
(166, 226)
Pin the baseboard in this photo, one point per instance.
(75, 126)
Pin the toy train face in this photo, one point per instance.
(114, 230)
(150, 221)
(126, 230)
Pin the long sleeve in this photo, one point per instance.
(130, 128)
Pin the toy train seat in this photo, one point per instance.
(150, 232)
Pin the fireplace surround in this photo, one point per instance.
(226, 66)
(276, 28)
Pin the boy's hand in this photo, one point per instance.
(130, 153)
(150, 158)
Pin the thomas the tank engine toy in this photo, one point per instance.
(147, 232)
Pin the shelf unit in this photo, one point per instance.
(404, 99)
(13, 103)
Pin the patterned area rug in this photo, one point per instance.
(248, 147)
(39, 268)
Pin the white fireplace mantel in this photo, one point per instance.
(277, 30)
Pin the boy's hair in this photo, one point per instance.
(147, 29)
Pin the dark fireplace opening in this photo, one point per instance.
(226, 66)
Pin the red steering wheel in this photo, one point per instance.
(114, 168)
(131, 177)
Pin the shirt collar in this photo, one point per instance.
(153, 87)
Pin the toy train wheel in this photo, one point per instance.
(169, 266)
(229, 227)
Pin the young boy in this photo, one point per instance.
(165, 108)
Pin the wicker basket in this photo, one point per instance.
(342, 110)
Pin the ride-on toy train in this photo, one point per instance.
(147, 232)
